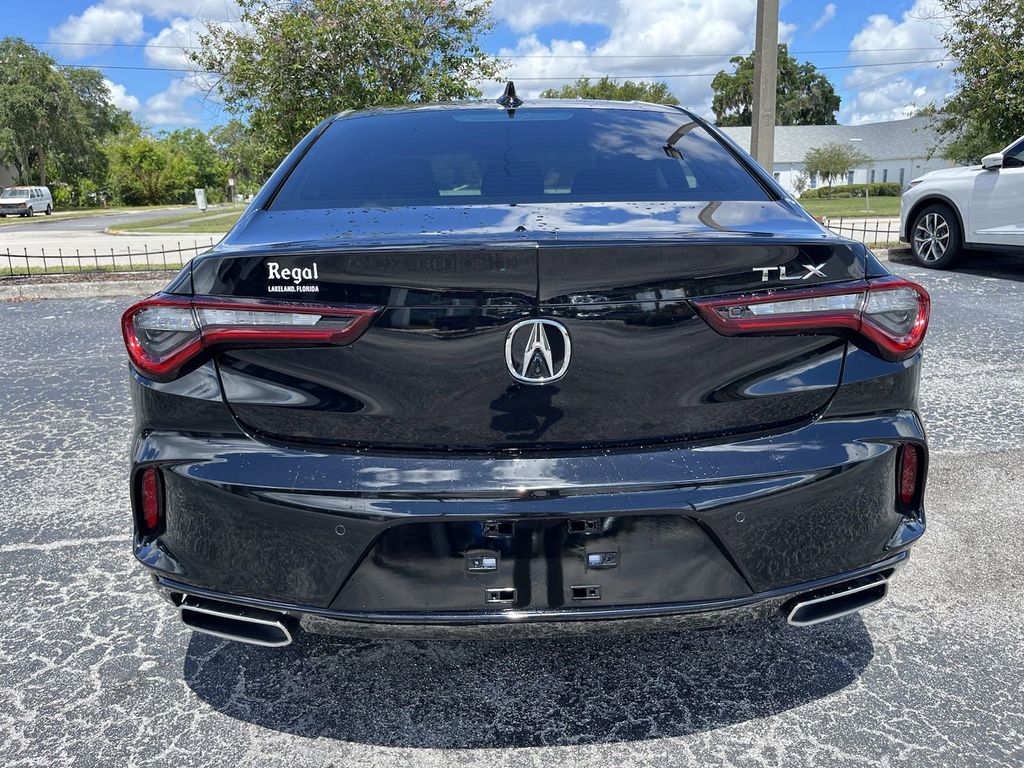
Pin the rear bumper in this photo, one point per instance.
(491, 625)
(696, 534)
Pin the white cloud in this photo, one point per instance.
(210, 10)
(121, 21)
(646, 37)
(172, 106)
(884, 39)
(688, 38)
(896, 84)
(527, 16)
(827, 14)
(893, 100)
(168, 47)
(120, 97)
(786, 32)
(97, 24)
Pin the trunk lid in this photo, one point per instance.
(433, 372)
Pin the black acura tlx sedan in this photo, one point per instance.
(524, 368)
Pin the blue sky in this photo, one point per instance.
(871, 49)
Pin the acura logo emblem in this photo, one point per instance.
(537, 351)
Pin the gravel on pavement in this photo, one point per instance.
(95, 669)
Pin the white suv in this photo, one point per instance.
(25, 201)
(945, 212)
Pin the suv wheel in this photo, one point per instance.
(935, 237)
(49, 209)
(30, 211)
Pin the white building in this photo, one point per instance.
(898, 150)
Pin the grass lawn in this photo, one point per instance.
(214, 225)
(77, 213)
(215, 221)
(852, 207)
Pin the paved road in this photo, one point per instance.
(94, 669)
(96, 223)
(69, 243)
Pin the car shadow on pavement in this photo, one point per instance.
(477, 694)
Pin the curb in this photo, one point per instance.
(80, 290)
(115, 232)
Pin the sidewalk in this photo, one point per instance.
(54, 248)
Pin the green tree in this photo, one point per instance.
(99, 119)
(94, 97)
(241, 155)
(53, 120)
(985, 113)
(146, 171)
(293, 64)
(800, 182)
(211, 173)
(584, 88)
(833, 161)
(804, 96)
(40, 114)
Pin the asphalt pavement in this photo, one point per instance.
(95, 670)
(96, 223)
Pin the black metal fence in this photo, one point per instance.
(878, 232)
(68, 261)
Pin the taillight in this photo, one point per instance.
(150, 500)
(164, 333)
(908, 471)
(889, 312)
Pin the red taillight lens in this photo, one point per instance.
(908, 471)
(163, 333)
(890, 312)
(150, 499)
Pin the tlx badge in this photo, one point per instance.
(811, 270)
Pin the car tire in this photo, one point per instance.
(49, 209)
(30, 212)
(935, 237)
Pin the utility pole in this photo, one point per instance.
(766, 76)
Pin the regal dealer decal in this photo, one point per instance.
(292, 279)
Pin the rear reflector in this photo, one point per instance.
(164, 333)
(909, 461)
(890, 313)
(150, 501)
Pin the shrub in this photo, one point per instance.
(882, 189)
(63, 195)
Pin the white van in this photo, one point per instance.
(25, 201)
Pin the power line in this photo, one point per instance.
(661, 76)
(141, 69)
(540, 55)
(117, 45)
(666, 76)
(700, 55)
(887, 76)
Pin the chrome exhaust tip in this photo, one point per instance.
(837, 601)
(231, 621)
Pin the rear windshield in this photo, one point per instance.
(484, 157)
